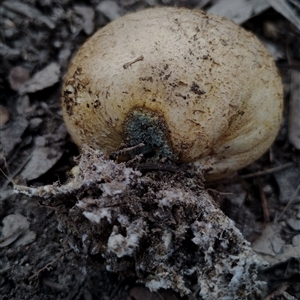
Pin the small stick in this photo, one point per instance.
(270, 171)
(290, 202)
(49, 264)
(126, 150)
(2, 156)
(127, 65)
(218, 193)
(16, 172)
(263, 202)
(277, 292)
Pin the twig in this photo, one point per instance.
(269, 171)
(218, 193)
(2, 156)
(125, 150)
(194, 295)
(159, 295)
(290, 202)
(16, 172)
(117, 288)
(277, 292)
(127, 65)
(48, 265)
(157, 167)
(263, 202)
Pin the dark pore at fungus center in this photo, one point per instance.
(148, 127)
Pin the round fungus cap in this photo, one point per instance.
(188, 85)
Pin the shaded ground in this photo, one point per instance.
(38, 39)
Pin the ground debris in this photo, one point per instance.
(289, 9)
(29, 42)
(87, 15)
(167, 232)
(294, 116)
(42, 79)
(110, 9)
(17, 77)
(238, 11)
(28, 11)
(16, 231)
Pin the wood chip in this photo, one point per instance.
(4, 115)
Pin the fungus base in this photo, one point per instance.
(160, 227)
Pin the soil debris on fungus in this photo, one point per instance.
(160, 227)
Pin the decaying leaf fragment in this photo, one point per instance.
(157, 226)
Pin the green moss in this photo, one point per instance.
(147, 127)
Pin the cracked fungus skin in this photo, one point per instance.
(213, 83)
(158, 227)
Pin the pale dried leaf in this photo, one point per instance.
(288, 181)
(202, 3)
(10, 135)
(294, 115)
(110, 9)
(43, 159)
(288, 252)
(295, 2)
(28, 11)
(87, 14)
(271, 246)
(239, 11)
(266, 243)
(16, 230)
(284, 7)
(288, 296)
(274, 49)
(294, 223)
(9, 53)
(296, 240)
(42, 79)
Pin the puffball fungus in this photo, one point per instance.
(190, 86)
